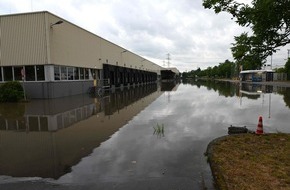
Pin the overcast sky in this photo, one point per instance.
(193, 36)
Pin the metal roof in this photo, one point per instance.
(257, 71)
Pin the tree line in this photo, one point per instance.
(226, 69)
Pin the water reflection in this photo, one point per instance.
(249, 90)
(44, 138)
(119, 148)
(254, 99)
(169, 86)
(141, 157)
(256, 89)
(286, 95)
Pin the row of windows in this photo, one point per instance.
(36, 73)
(32, 73)
(41, 123)
(71, 73)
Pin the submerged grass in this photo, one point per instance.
(159, 130)
(250, 161)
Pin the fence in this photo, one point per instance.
(280, 76)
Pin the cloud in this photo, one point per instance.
(194, 36)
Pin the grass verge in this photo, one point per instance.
(251, 162)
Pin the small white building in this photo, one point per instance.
(257, 75)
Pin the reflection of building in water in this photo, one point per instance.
(255, 90)
(117, 101)
(168, 87)
(64, 131)
(55, 114)
(50, 115)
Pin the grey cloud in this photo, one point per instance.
(179, 23)
(194, 36)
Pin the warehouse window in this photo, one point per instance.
(1, 74)
(94, 73)
(70, 73)
(56, 73)
(7, 72)
(82, 75)
(29, 73)
(63, 71)
(17, 73)
(86, 73)
(40, 72)
(77, 73)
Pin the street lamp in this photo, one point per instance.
(142, 66)
(56, 23)
(122, 62)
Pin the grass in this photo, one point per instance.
(159, 130)
(251, 162)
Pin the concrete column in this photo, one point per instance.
(49, 72)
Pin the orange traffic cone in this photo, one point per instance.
(259, 130)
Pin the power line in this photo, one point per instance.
(168, 59)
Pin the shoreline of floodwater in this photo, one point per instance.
(245, 161)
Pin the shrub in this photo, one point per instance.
(287, 68)
(11, 91)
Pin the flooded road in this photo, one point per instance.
(151, 137)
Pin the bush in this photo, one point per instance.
(287, 68)
(11, 91)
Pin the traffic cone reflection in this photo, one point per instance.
(259, 130)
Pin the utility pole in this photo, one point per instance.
(168, 59)
(164, 63)
(271, 60)
(288, 53)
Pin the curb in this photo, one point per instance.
(219, 181)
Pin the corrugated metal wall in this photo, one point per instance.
(29, 39)
(22, 39)
(72, 46)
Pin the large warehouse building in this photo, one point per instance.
(56, 58)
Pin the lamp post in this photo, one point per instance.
(122, 56)
(142, 65)
(56, 23)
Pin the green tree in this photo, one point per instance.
(198, 72)
(215, 71)
(245, 54)
(280, 70)
(287, 68)
(209, 72)
(269, 21)
(225, 69)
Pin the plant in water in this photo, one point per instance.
(159, 130)
(11, 91)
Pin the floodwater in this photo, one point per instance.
(150, 137)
